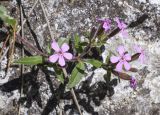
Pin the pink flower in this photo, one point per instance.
(122, 59)
(106, 23)
(138, 49)
(133, 83)
(60, 53)
(122, 26)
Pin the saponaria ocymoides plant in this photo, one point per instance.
(69, 59)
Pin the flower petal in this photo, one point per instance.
(127, 57)
(68, 56)
(55, 46)
(65, 47)
(133, 82)
(142, 58)
(126, 65)
(114, 59)
(121, 50)
(121, 24)
(106, 26)
(61, 61)
(118, 22)
(53, 58)
(124, 33)
(119, 66)
(137, 48)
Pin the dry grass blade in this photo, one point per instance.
(22, 55)
(24, 21)
(11, 49)
(4, 54)
(73, 93)
(48, 24)
(4, 45)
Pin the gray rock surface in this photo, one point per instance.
(79, 17)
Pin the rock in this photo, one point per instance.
(154, 2)
(79, 17)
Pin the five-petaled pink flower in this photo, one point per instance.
(133, 83)
(122, 26)
(106, 23)
(60, 53)
(122, 59)
(138, 49)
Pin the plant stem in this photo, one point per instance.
(88, 47)
(27, 44)
(72, 92)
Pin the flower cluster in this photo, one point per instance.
(124, 58)
(121, 25)
(119, 63)
(133, 83)
(141, 51)
(106, 23)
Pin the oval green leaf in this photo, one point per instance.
(94, 62)
(32, 60)
(6, 18)
(76, 75)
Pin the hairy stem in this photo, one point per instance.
(88, 47)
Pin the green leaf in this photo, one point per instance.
(60, 77)
(107, 77)
(83, 43)
(59, 74)
(77, 40)
(99, 43)
(11, 21)
(62, 40)
(102, 36)
(6, 18)
(87, 34)
(100, 30)
(77, 44)
(94, 62)
(3, 10)
(76, 75)
(108, 57)
(49, 48)
(32, 60)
